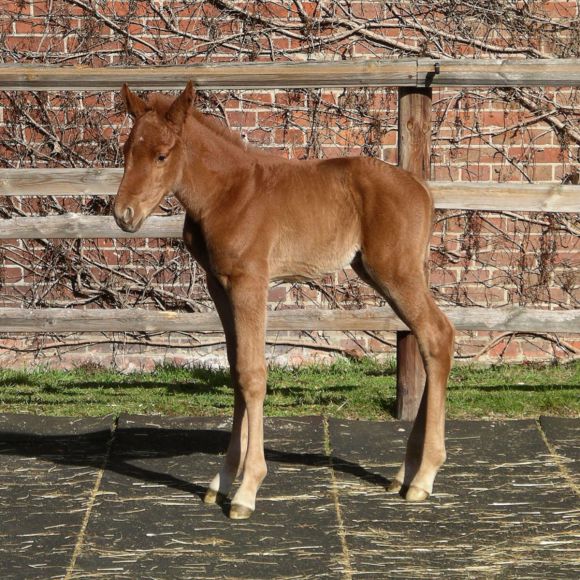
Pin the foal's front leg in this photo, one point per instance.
(248, 297)
(221, 484)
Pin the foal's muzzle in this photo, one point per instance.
(125, 218)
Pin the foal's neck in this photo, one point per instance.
(212, 165)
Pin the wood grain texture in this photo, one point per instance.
(547, 197)
(77, 226)
(57, 320)
(336, 74)
(499, 72)
(56, 181)
(544, 197)
(415, 105)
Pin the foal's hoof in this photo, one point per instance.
(395, 486)
(211, 496)
(240, 512)
(415, 493)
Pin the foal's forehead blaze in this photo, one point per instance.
(150, 133)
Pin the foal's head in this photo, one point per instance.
(154, 155)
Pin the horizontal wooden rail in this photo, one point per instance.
(549, 197)
(78, 226)
(74, 226)
(545, 197)
(56, 181)
(57, 320)
(421, 72)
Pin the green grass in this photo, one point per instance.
(363, 389)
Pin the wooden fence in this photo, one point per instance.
(413, 77)
(422, 72)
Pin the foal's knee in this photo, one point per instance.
(447, 336)
(440, 344)
(252, 383)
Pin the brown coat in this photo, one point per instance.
(253, 217)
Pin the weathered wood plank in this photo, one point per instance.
(77, 226)
(499, 73)
(514, 319)
(544, 197)
(272, 75)
(548, 197)
(415, 105)
(138, 320)
(62, 182)
(337, 74)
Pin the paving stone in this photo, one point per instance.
(48, 469)
(148, 520)
(564, 434)
(501, 507)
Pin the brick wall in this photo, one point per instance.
(482, 259)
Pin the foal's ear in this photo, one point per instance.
(135, 105)
(181, 106)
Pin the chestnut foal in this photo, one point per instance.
(251, 218)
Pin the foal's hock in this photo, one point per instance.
(252, 217)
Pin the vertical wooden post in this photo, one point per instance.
(415, 156)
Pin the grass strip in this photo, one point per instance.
(362, 389)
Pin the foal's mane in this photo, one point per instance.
(161, 104)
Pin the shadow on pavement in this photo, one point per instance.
(133, 444)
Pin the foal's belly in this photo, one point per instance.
(293, 267)
(319, 233)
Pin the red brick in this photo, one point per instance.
(260, 136)
(294, 98)
(277, 294)
(28, 26)
(261, 97)
(242, 118)
(11, 274)
(468, 159)
(291, 136)
(476, 172)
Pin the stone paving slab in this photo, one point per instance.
(504, 504)
(149, 521)
(501, 506)
(48, 469)
(564, 434)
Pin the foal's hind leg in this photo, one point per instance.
(408, 294)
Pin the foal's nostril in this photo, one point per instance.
(128, 215)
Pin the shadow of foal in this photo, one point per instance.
(138, 443)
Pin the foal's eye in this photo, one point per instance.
(161, 157)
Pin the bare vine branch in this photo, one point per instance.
(477, 258)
